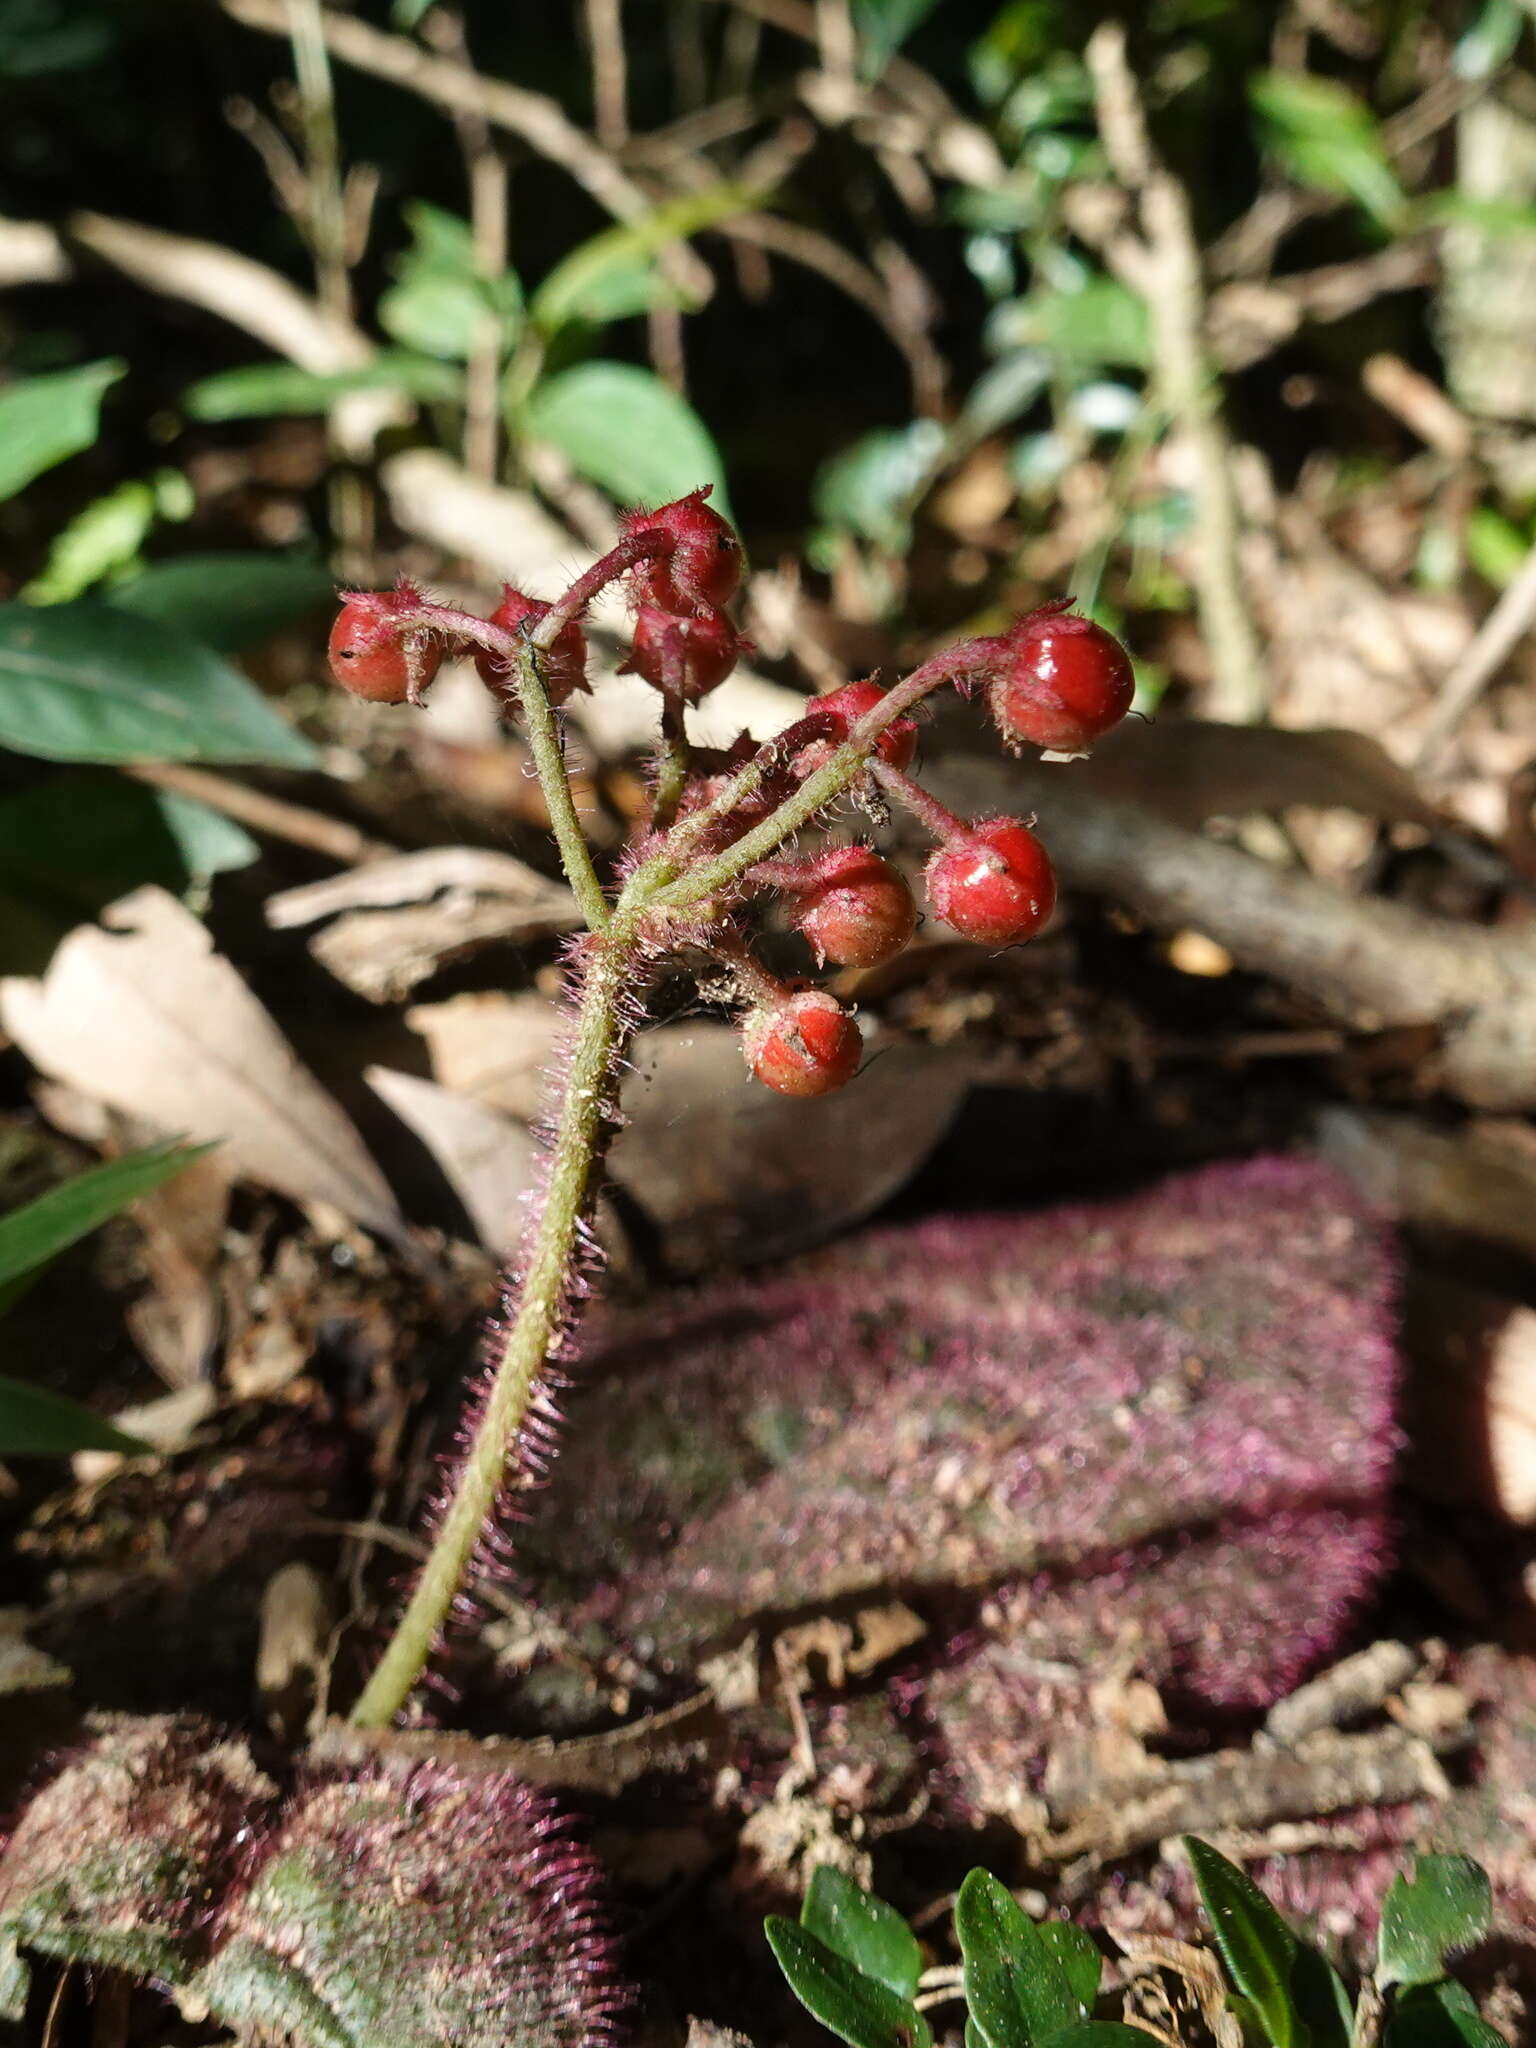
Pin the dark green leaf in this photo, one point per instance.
(1446, 1906)
(1328, 139)
(858, 2009)
(227, 601)
(1103, 324)
(39, 1231)
(628, 431)
(75, 842)
(883, 26)
(264, 389)
(1321, 2001)
(88, 682)
(1442, 2015)
(1101, 2034)
(1077, 1954)
(43, 420)
(35, 1424)
(865, 1930)
(615, 273)
(1015, 1985)
(1255, 1943)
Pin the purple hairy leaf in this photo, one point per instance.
(368, 1910)
(1156, 1434)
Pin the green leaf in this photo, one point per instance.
(440, 305)
(1321, 2001)
(1255, 1943)
(1443, 2015)
(1101, 2034)
(1328, 139)
(88, 682)
(36, 1424)
(858, 2009)
(863, 1929)
(1018, 1991)
(74, 842)
(882, 26)
(625, 429)
(870, 488)
(106, 535)
(263, 389)
(227, 601)
(36, 1233)
(1446, 1906)
(1077, 1954)
(1101, 325)
(615, 274)
(44, 420)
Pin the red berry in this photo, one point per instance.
(1063, 681)
(703, 650)
(368, 653)
(897, 744)
(701, 569)
(856, 909)
(993, 884)
(564, 665)
(806, 1045)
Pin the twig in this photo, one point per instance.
(1496, 639)
(610, 85)
(269, 815)
(1164, 266)
(456, 88)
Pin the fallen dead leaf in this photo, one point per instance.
(396, 922)
(497, 1048)
(488, 1158)
(143, 1014)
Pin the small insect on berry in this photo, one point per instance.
(373, 656)
(855, 909)
(701, 568)
(993, 884)
(806, 1045)
(698, 652)
(1063, 682)
(563, 666)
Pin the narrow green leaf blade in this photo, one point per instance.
(628, 431)
(1446, 1906)
(44, 420)
(1256, 1945)
(581, 288)
(866, 1931)
(227, 601)
(39, 1231)
(1442, 2015)
(89, 682)
(37, 1424)
(858, 2009)
(1101, 2034)
(261, 390)
(1018, 1992)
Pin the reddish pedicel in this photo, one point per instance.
(702, 567)
(993, 884)
(855, 908)
(1062, 683)
(367, 651)
(564, 666)
(806, 1045)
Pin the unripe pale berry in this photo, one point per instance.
(563, 666)
(806, 1045)
(702, 650)
(897, 744)
(855, 909)
(1062, 683)
(367, 651)
(993, 884)
(702, 567)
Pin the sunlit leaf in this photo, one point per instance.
(1327, 138)
(1257, 1947)
(1445, 1907)
(264, 389)
(44, 420)
(625, 429)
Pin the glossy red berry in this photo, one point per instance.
(700, 650)
(855, 909)
(1063, 682)
(808, 1044)
(897, 744)
(702, 566)
(564, 665)
(993, 884)
(370, 653)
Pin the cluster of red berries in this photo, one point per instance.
(1053, 680)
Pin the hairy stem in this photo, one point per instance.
(529, 1342)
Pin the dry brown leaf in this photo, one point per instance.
(176, 1322)
(142, 1013)
(396, 922)
(487, 1157)
(495, 1047)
